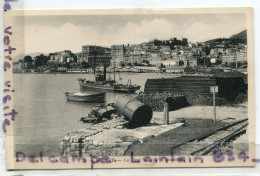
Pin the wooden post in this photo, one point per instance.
(166, 113)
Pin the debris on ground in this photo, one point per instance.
(101, 113)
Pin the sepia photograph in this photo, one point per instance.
(129, 88)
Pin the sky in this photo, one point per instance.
(56, 33)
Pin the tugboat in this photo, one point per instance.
(107, 85)
(104, 84)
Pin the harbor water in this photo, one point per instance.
(45, 116)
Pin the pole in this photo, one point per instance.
(105, 73)
(166, 113)
(95, 61)
(214, 104)
(114, 53)
(236, 60)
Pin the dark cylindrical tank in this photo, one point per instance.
(134, 110)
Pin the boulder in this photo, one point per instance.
(102, 112)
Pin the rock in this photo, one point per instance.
(96, 108)
(82, 118)
(97, 152)
(75, 145)
(100, 143)
(91, 147)
(111, 109)
(89, 120)
(95, 143)
(119, 127)
(117, 152)
(128, 139)
(61, 149)
(127, 143)
(111, 104)
(113, 116)
(88, 142)
(85, 148)
(72, 150)
(102, 112)
(111, 145)
(66, 138)
(70, 144)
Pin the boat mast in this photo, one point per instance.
(114, 65)
(95, 62)
(105, 72)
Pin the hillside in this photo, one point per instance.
(241, 35)
(21, 56)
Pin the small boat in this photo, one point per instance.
(86, 97)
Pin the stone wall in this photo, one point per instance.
(197, 89)
(109, 138)
(82, 142)
(156, 100)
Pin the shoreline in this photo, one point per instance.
(132, 73)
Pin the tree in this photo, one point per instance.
(181, 63)
(208, 64)
(75, 58)
(232, 65)
(218, 61)
(68, 65)
(226, 64)
(41, 60)
(207, 50)
(27, 59)
(162, 66)
(85, 64)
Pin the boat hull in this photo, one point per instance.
(92, 98)
(109, 88)
(86, 86)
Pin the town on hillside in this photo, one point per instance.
(170, 56)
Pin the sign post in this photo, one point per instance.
(166, 113)
(214, 90)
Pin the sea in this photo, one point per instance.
(45, 116)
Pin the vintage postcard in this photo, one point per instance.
(129, 88)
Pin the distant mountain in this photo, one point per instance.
(21, 56)
(241, 35)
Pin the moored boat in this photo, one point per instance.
(107, 86)
(104, 84)
(86, 97)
